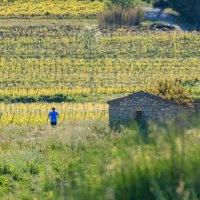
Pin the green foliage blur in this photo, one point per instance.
(88, 160)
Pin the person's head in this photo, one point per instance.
(53, 109)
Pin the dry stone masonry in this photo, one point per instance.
(142, 106)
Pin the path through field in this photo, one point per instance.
(156, 14)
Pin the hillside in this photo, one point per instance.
(75, 64)
(53, 54)
(55, 64)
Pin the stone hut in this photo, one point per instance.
(142, 106)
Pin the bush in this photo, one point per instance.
(172, 89)
(120, 16)
(58, 98)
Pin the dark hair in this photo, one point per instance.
(53, 108)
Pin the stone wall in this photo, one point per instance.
(196, 104)
(152, 107)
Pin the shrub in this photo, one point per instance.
(172, 89)
(55, 98)
(120, 16)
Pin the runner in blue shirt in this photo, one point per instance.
(53, 116)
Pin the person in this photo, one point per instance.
(53, 116)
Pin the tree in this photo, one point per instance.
(161, 4)
(189, 9)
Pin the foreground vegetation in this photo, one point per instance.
(87, 160)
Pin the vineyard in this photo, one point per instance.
(40, 62)
(36, 113)
(54, 55)
(48, 8)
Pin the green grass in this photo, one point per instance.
(87, 160)
(35, 22)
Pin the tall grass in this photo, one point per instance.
(88, 160)
(118, 16)
(166, 168)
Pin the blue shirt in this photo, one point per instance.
(53, 116)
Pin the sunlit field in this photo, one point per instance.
(48, 8)
(53, 54)
(75, 61)
(72, 64)
(37, 113)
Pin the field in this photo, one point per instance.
(76, 64)
(53, 54)
(36, 113)
(50, 9)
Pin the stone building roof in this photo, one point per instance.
(140, 93)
